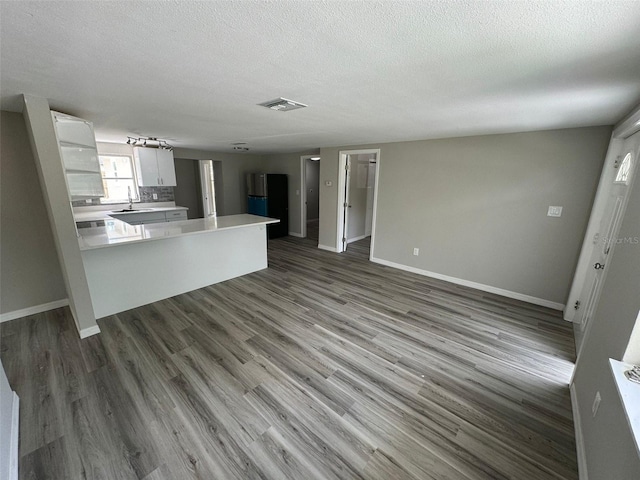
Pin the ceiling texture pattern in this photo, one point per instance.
(371, 72)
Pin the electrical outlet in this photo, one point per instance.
(554, 211)
(416, 251)
(155, 196)
(596, 404)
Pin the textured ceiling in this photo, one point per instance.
(193, 72)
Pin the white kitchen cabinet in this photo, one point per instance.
(145, 218)
(77, 145)
(176, 215)
(154, 167)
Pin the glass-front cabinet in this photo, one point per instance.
(79, 153)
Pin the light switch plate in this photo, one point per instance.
(155, 196)
(554, 211)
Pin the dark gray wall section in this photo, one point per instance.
(187, 192)
(30, 274)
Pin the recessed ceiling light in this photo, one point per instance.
(282, 104)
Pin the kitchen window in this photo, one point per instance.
(118, 177)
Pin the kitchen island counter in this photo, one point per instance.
(132, 265)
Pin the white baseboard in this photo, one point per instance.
(351, 240)
(328, 249)
(25, 312)
(478, 286)
(295, 234)
(13, 440)
(577, 425)
(87, 332)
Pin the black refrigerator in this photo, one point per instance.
(269, 197)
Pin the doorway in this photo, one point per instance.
(310, 197)
(208, 188)
(199, 187)
(601, 239)
(357, 197)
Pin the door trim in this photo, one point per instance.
(342, 162)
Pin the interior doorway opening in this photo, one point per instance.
(199, 187)
(310, 196)
(357, 197)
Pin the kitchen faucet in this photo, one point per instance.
(130, 198)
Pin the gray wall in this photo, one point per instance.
(30, 274)
(234, 168)
(188, 191)
(289, 164)
(312, 184)
(476, 206)
(609, 447)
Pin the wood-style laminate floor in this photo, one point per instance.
(322, 366)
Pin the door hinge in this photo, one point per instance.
(616, 164)
(577, 305)
(344, 239)
(345, 204)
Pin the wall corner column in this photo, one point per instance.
(42, 137)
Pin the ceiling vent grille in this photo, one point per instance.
(282, 104)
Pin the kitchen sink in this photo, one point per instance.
(127, 210)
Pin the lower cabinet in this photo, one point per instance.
(145, 218)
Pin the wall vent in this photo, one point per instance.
(282, 104)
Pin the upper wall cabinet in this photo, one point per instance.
(154, 167)
(77, 145)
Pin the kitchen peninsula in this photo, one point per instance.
(132, 265)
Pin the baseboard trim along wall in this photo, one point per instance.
(25, 312)
(577, 425)
(328, 249)
(87, 332)
(478, 286)
(295, 234)
(13, 441)
(355, 239)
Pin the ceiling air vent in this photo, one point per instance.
(282, 104)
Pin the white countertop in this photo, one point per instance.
(116, 232)
(97, 215)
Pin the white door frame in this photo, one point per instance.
(303, 192)
(623, 130)
(342, 163)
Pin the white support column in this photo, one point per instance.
(43, 141)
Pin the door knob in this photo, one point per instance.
(599, 266)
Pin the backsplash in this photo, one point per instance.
(165, 194)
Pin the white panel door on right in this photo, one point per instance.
(606, 238)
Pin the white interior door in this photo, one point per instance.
(371, 182)
(207, 179)
(606, 237)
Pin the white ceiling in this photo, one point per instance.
(193, 72)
